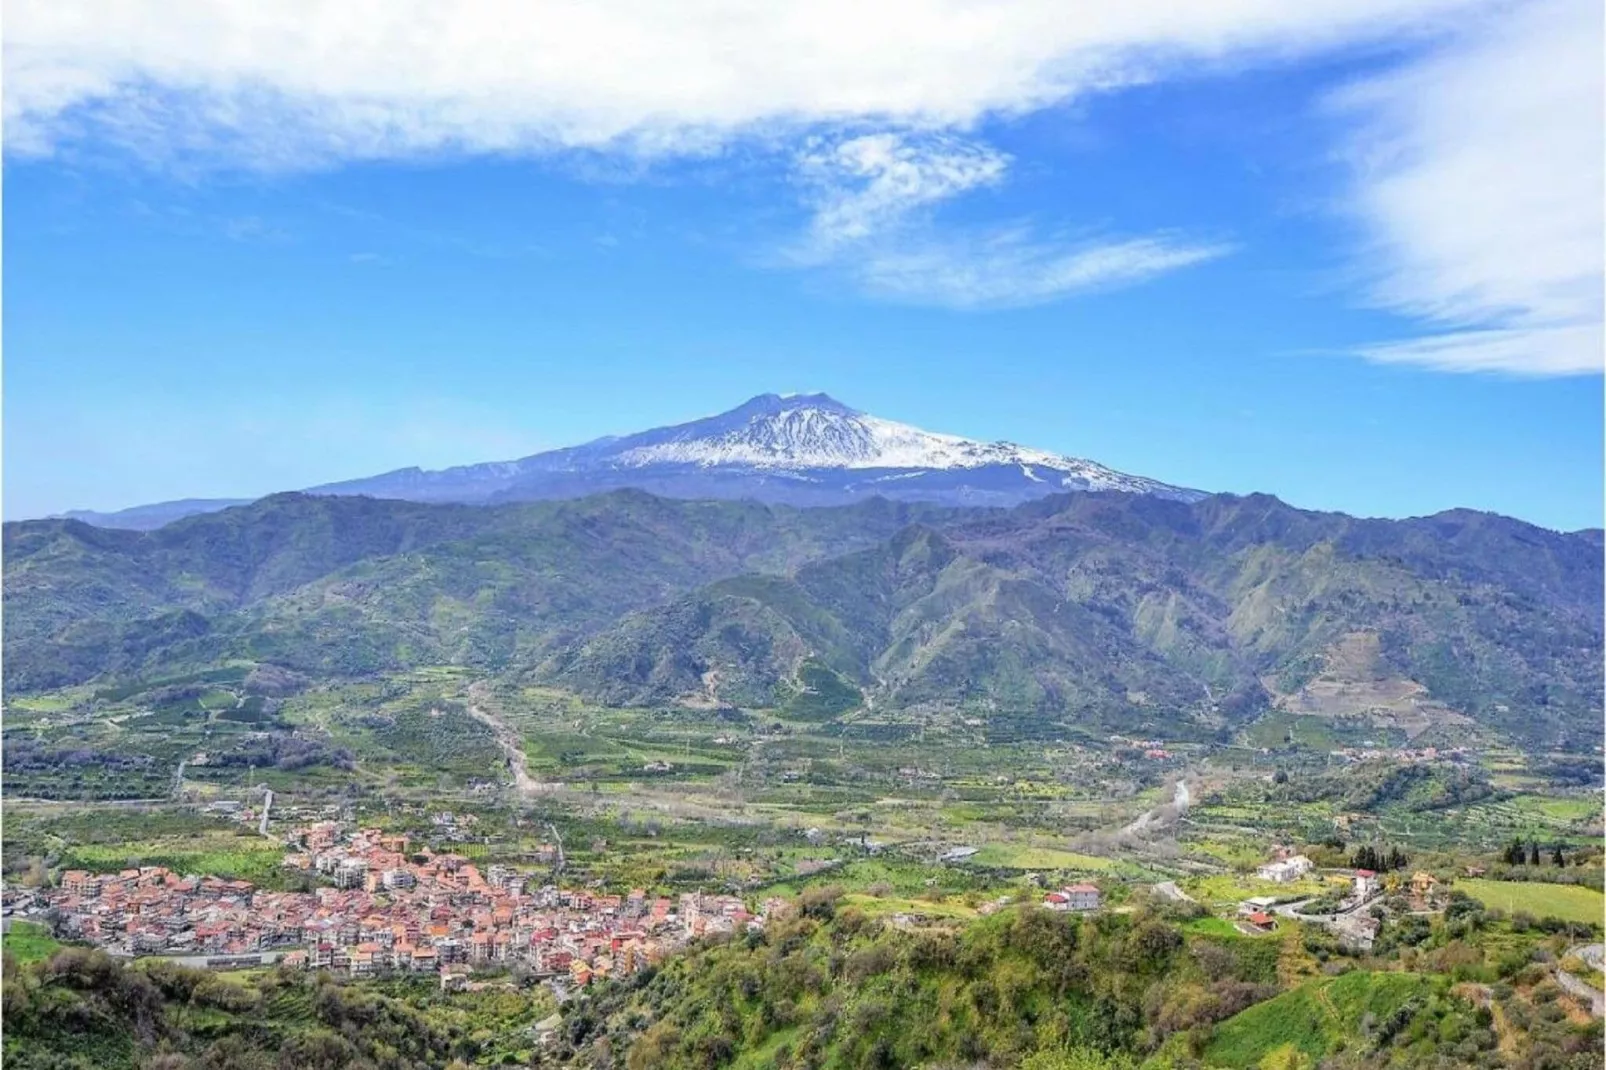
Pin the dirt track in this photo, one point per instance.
(511, 746)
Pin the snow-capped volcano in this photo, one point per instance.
(799, 433)
(801, 449)
(817, 431)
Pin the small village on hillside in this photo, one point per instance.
(385, 909)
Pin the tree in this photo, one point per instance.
(1285, 1057)
(1533, 852)
(1556, 857)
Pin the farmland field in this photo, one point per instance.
(1010, 856)
(1569, 902)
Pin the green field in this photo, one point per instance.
(1569, 902)
(1230, 889)
(883, 906)
(28, 942)
(1012, 856)
(1315, 1018)
(1560, 807)
(233, 857)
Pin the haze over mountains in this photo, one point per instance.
(797, 450)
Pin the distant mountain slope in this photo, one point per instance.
(151, 517)
(1107, 608)
(1120, 609)
(798, 450)
(358, 584)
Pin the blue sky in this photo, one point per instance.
(1301, 252)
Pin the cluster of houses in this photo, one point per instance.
(1355, 928)
(387, 910)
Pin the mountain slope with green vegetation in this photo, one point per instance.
(1115, 609)
(833, 988)
(1106, 609)
(354, 585)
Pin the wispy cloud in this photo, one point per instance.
(865, 186)
(1529, 352)
(874, 199)
(1479, 181)
(1008, 268)
(252, 228)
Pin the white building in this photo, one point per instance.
(1289, 869)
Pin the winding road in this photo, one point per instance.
(1593, 954)
(1181, 799)
(513, 748)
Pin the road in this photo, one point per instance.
(511, 746)
(267, 807)
(1170, 890)
(1593, 954)
(1160, 816)
(557, 837)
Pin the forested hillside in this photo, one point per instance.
(1082, 608)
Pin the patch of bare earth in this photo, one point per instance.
(1356, 683)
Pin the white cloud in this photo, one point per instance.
(869, 184)
(300, 83)
(1480, 181)
(1534, 352)
(1479, 172)
(874, 196)
(1008, 268)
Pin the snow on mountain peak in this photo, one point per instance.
(815, 431)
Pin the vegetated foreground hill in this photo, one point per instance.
(831, 987)
(1091, 608)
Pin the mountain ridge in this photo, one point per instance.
(1083, 609)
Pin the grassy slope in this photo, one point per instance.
(28, 942)
(1317, 1018)
(1568, 902)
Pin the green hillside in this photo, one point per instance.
(1321, 1017)
(1084, 609)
